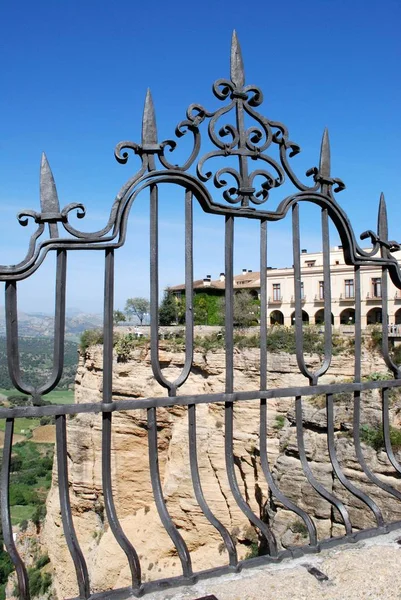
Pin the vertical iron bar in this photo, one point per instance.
(298, 324)
(59, 333)
(229, 407)
(263, 304)
(189, 279)
(393, 367)
(111, 512)
(308, 472)
(189, 328)
(9, 543)
(154, 289)
(385, 345)
(386, 430)
(229, 304)
(264, 459)
(59, 325)
(169, 526)
(154, 293)
(165, 517)
(326, 294)
(65, 506)
(13, 361)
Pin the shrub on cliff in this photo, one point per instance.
(90, 337)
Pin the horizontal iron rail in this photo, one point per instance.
(185, 399)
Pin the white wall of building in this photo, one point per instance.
(342, 293)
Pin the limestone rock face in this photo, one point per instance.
(132, 487)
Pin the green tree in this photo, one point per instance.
(118, 317)
(168, 309)
(245, 309)
(6, 566)
(201, 312)
(138, 307)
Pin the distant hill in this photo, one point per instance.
(42, 325)
(36, 358)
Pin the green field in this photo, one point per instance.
(56, 397)
(22, 425)
(21, 513)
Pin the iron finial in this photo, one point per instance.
(237, 64)
(48, 193)
(149, 131)
(48, 196)
(324, 165)
(382, 221)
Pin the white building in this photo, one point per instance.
(280, 286)
(280, 291)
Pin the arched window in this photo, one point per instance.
(319, 317)
(276, 317)
(347, 316)
(305, 317)
(374, 316)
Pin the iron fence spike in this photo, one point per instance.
(324, 165)
(382, 221)
(149, 130)
(48, 192)
(237, 72)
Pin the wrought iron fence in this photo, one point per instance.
(245, 197)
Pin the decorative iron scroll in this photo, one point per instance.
(247, 143)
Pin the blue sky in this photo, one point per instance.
(74, 78)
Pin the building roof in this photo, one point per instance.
(246, 280)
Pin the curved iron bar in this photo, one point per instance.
(115, 526)
(264, 459)
(338, 470)
(328, 346)
(285, 501)
(65, 506)
(193, 459)
(321, 490)
(357, 395)
(312, 376)
(385, 345)
(59, 333)
(386, 431)
(22, 575)
(358, 449)
(164, 515)
(154, 294)
(229, 408)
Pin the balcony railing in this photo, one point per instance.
(303, 299)
(275, 299)
(347, 298)
(372, 296)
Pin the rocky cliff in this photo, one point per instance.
(131, 483)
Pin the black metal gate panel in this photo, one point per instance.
(256, 173)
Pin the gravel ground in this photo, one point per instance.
(367, 570)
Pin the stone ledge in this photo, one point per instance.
(366, 570)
